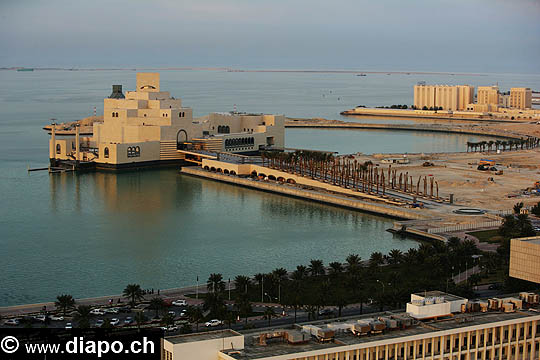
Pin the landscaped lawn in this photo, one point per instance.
(490, 236)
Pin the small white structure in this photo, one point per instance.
(434, 304)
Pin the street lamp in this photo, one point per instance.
(380, 282)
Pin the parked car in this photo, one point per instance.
(115, 321)
(40, 318)
(169, 328)
(125, 309)
(111, 311)
(213, 322)
(12, 322)
(97, 312)
(179, 303)
(325, 312)
(57, 318)
(69, 326)
(128, 320)
(100, 323)
(172, 313)
(182, 314)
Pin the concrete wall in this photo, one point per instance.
(382, 209)
(525, 258)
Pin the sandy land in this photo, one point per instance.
(457, 173)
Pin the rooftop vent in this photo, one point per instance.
(117, 92)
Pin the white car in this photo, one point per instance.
(97, 312)
(179, 303)
(57, 318)
(12, 322)
(69, 326)
(115, 321)
(212, 323)
(41, 318)
(111, 310)
(169, 328)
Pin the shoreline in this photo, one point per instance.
(449, 129)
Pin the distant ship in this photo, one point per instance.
(25, 69)
(361, 75)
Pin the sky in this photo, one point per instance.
(487, 36)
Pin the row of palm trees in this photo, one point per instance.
(361, 176)
(517, 144)
(381, 279)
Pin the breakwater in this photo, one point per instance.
(308, 194)
(440, 128)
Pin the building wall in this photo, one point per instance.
(488, 95)
(520, 98)
(448, 97)
(525, 259)
(201, 350)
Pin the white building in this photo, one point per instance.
(148, 127)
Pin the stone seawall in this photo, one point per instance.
(401, 127)
(337, 200)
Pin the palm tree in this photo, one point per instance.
(395, 256)
(410, 256)
(140, 319)
(82, 316)
(157, 304)
(215, 304)
(336, 268)
(280, 274)
(316, 267)
(268, 314)
(134, 293)
(243, 306)
(195, 315)
(518, 207)
(241, 283)
(64, 302)
(376, 259)
(454, 242)
(215, 283)
(353, 262)
(300, 273)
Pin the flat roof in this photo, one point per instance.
(210, 335)
(531, 239)
(436, 293)
(252, 350)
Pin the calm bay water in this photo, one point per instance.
(91, 234)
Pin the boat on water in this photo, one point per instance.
(361, 75)
(25, 69)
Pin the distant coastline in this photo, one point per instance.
(316, 71)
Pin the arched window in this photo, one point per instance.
(227, 129)
(113, 115)
(58, 149)
(106, 153)
(130, 152)
(137, 151)
(183, 114)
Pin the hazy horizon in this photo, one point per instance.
(481, 36)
